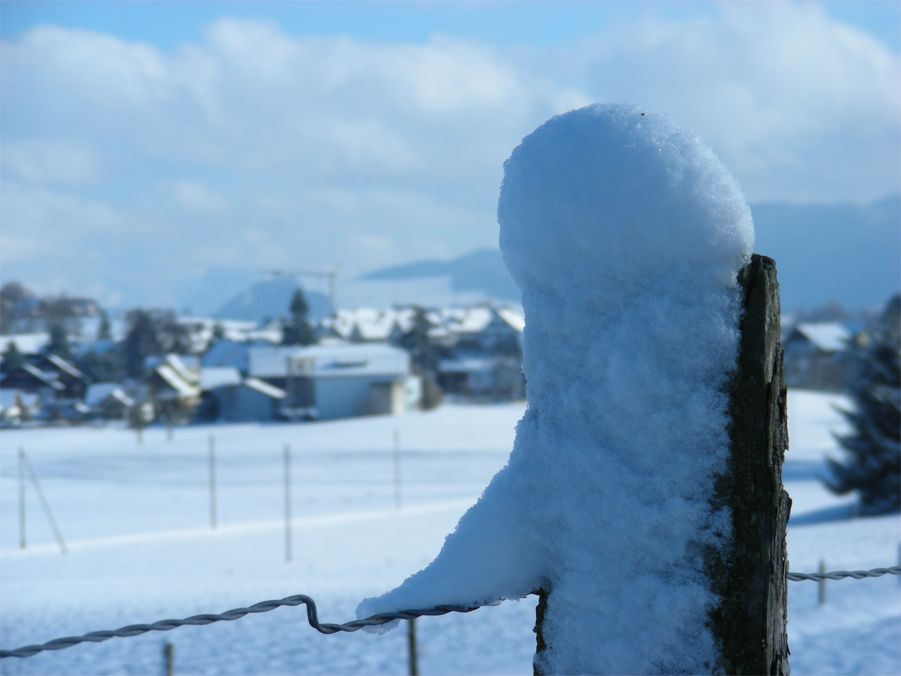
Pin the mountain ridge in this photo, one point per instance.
(857, 263)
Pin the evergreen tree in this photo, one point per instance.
(218, 333)
(423, 351)
(425, 356)
(141, 341)
(872, 449)
(11, 295)
(12, 358)
(59, 341)
(298, 330)
(102, 367)
(104, 331)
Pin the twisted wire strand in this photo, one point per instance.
(328, 627)
(236, 614)
(842, 574)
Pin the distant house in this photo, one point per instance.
(108, 401)
(17, 407)
(250, 400)
(816, 356)
(74, 382)
(230, 353)
(336, 381)
(32, 380)
(174, 390)
(485, 377)
(214, 377)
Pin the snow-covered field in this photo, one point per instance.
(136, 521)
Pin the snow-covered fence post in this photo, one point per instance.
(749, 624)
(643, 491)
(750, 576)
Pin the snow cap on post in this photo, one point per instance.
(625, 234)
(621, 194)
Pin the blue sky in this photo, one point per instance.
(167, 24)
(152, 147)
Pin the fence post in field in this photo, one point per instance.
(287, 464)
(211, 460)
(22, 538)
(169, 658)
(397, 469)
(43, 501)
(750, 578)
(821, 585)
(412, 652)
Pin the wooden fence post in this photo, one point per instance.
(396, 468)
(750, 578)
(287, 471)
(412, 652)
(211, 471)
(42, 499)
(169, 658)
(821, 585)
(22, 501)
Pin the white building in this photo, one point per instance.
(335, 381)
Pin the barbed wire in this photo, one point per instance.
(328, 627)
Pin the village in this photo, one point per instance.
(74, 366)
(65, 363)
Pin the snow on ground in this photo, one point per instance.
(136, 519)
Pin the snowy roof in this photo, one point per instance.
(467, 365)
(369, 359)
(515, 318)
(26, 343)
(201, 329)
(265, 388)
(227, 353)
(827, 336)
(175, 381)
(186, 365)
(100, 392)
(218, 376)
(62, 365)
(48, 378)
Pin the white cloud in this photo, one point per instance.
(45, 162)
(252, 148)
(195, 196)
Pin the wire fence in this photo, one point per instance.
(330, 628)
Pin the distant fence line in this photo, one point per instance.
(330, 628)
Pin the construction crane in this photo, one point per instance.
(331, 275)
